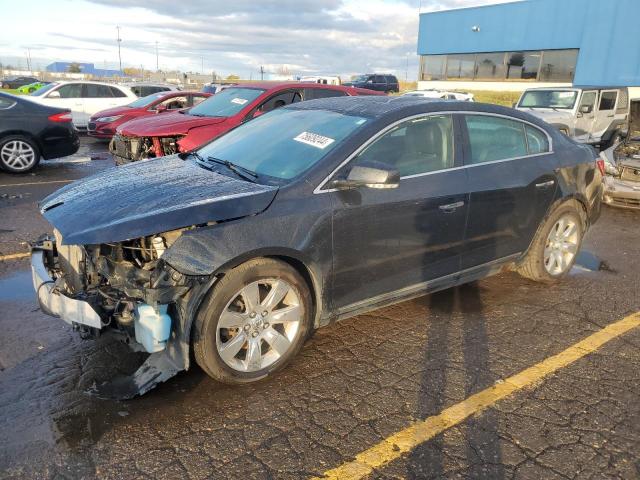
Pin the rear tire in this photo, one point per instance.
(554, 249)
(18, 154)
(253, 322)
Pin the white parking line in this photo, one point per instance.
(35, 183)
(61, 161)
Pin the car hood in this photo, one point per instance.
(148, 197)
(110, 112)
(549, 115)
(166, 124)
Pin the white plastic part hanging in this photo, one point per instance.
(158, 245)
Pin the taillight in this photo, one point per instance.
(600, 165)
(61, 117)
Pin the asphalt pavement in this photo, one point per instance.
(354, 385)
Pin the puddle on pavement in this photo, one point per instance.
(17, 286)
(591, 263)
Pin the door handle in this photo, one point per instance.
(545, 184)
(451, 207)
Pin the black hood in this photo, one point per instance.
(149, 197)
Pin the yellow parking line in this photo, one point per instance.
(393, 447)
(35, 183)
(14, 256)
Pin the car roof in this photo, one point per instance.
(379, 107)
(285, 85)
(64, 82)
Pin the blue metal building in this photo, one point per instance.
(584, 42)
(88, 68)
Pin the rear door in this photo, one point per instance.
(389, 239)
(606, 113)
(512, 183)
(98, 97)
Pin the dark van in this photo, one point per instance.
(374, 81)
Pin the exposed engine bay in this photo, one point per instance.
(128, 291)
(131, 149)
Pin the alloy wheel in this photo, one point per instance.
(18, 155)
(259, 325)
(562, 245)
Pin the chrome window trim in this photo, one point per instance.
(11, 105)
(319, 189)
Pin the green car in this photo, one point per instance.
(32, 87)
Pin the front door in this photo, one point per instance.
(511, 183)
(68, 96)
(586, 116)
(389, 239)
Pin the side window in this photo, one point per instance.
(174, 103)
(416, 146)
(314, 93)
(92, 90)
(608, 100)
(379, 79)
(495, 138)
(589, 101)
(536, 140)
(116, 92)
(71, 90)
(281, 100)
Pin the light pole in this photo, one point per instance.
(157, 56)
(119, 40)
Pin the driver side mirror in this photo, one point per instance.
(161, 108)
(54, 94)
(369, 176)
(586, 108)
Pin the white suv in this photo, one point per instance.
(83, 98)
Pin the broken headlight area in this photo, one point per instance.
(131, 149)
(127, 284)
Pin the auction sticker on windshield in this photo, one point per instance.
(314, 140)
(239, 101)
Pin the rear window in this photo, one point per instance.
(6, 103)
(315, 93)
(226, 103)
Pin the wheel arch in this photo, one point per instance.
(291, 257)
(574, 198)
(23, 133)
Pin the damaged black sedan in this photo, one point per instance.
(312, 213)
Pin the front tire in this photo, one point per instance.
(253, 322)
(18, 154)
(554, 250)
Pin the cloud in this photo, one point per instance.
(310, 36)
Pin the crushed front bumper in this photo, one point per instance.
(55, 303)
(621, 193)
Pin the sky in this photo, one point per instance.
(309, 37)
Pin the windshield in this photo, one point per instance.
(43, 90)
(283, 143)
(226, 103)
(148, 100)
(549, 99)
(360, 79)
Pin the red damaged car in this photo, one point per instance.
(187, 129)
(104, 123)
